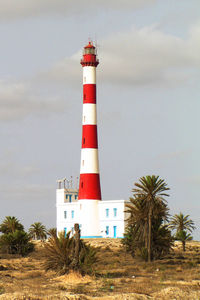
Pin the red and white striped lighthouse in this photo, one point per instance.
(89, 185)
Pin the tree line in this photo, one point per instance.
(150, 232)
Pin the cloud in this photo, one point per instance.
(139, 57)
(18, 99)
(12, 9)
(11, 167)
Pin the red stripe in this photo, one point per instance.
(89, 93)
(89, 136)
(89, 187)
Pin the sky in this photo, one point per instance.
(147, 92)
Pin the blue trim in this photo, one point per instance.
(91, 237)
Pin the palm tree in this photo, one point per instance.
(52, 231)
(183, 236)
(10, 225)
(149, 192)
(38, 231)
(182, 224)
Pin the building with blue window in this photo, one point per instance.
(111, 213)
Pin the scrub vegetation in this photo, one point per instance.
(115, 273)
(157, 259)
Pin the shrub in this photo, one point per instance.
(59, 253)
(17, 242)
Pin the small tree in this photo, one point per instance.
(61, 254)
(10, 225)
(38, 231)
(182, 224)
(183, 236)
(14, 239)
(17, 242)
(146, 232)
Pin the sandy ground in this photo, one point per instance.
(116, 275)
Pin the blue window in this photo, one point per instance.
(65, 214)
(72, 214)
(107, 230)
(114, 231)
(69, 197)
(107, 212)
(76, 197)
(115, 212)
(65, 230)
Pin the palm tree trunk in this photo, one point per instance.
(149, 235)
(75, 261)
(146, 234)
(183, 244)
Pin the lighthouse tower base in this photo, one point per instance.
(89, 219)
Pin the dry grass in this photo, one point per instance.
(115, 275)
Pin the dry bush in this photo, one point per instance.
(59, 253)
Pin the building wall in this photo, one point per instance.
(68, 219)
(112, 218)
(110, 213)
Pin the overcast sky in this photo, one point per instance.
(148, 99)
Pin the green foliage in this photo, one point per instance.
(10, 224)
(87, 257)
(38, 231)
(182, 224)
(17, 242)
(52, 231)
(14, 239)
(59, 253)
(183, 236)
(146, 235)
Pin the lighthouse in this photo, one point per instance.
(89, 184)
(96, 217)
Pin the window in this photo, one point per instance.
(72, 212)
(107, 230)
(65, 214)
(76, 197)
(114, 231)
(107, 212)
(65, 230)
(115, 212)
(70, 198)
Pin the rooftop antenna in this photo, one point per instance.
(59, 181)
(77, 183)
(71, 181)
(67, 183)
(64, 181)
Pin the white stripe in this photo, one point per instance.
(89, 114)
(89, 161)
(89, 75)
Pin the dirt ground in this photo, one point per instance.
(116, 275)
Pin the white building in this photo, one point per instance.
(110, 213)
